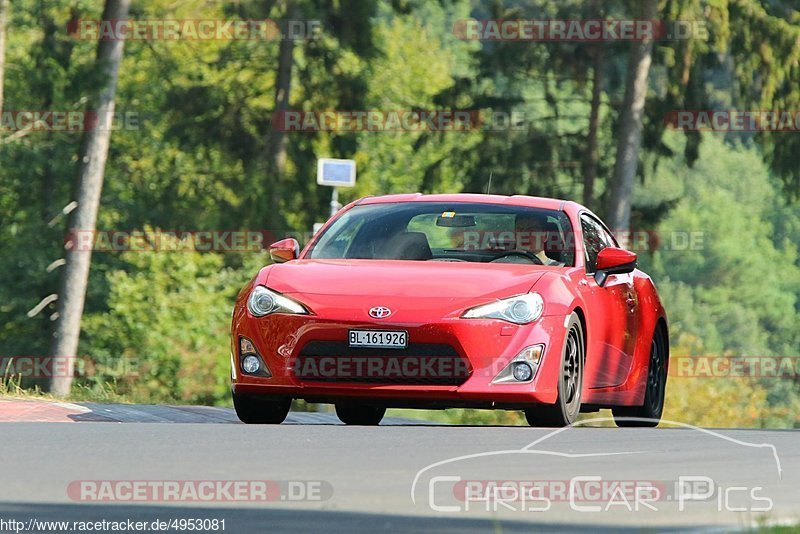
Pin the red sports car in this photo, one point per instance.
(440, 301)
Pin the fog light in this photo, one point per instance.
(250, 364)
(522, 368)
(522, 371)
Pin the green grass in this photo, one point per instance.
(11, 386)
(462, 416)
(787, 529)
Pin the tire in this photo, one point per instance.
(649, 413)
(570, 382)
(255, 410)
(355, 414)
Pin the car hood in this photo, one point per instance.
(429, 279)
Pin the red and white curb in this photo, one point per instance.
(38, 411)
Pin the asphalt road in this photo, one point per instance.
(328, 477)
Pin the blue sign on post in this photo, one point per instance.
(336, 172)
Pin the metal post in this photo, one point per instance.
(334, 201)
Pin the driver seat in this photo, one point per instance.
(407, 246)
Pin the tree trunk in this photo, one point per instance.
(277, 141)
(89, 186)
(283, 88)
(629, 140)
(3, 19)
(51, 52)
(592, 158)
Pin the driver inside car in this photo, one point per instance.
(532, 235)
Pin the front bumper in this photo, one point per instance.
(485, 346)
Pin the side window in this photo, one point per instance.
(595, 239)
(339, 239)
(607, 237)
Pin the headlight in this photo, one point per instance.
(263, 301)
(521, 309)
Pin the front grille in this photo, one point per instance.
(418, 364)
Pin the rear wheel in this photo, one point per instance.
(570, 382)
(355, 414)
(252, 409)
(649, 414)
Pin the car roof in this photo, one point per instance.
(515, 200)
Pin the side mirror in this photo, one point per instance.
(284, 250)
(612, 260)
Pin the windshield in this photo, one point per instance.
(434, 231)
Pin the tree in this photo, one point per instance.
(277, 143)
(3, 16)
(629, 137)
(767, 68)
(92, 162)
(592, 157)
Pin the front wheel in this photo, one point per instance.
(355, 414)
(649, 414)
(570, 382)
(255, 410)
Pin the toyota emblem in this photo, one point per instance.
(379, 312)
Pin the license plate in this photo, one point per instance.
(384, 339)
